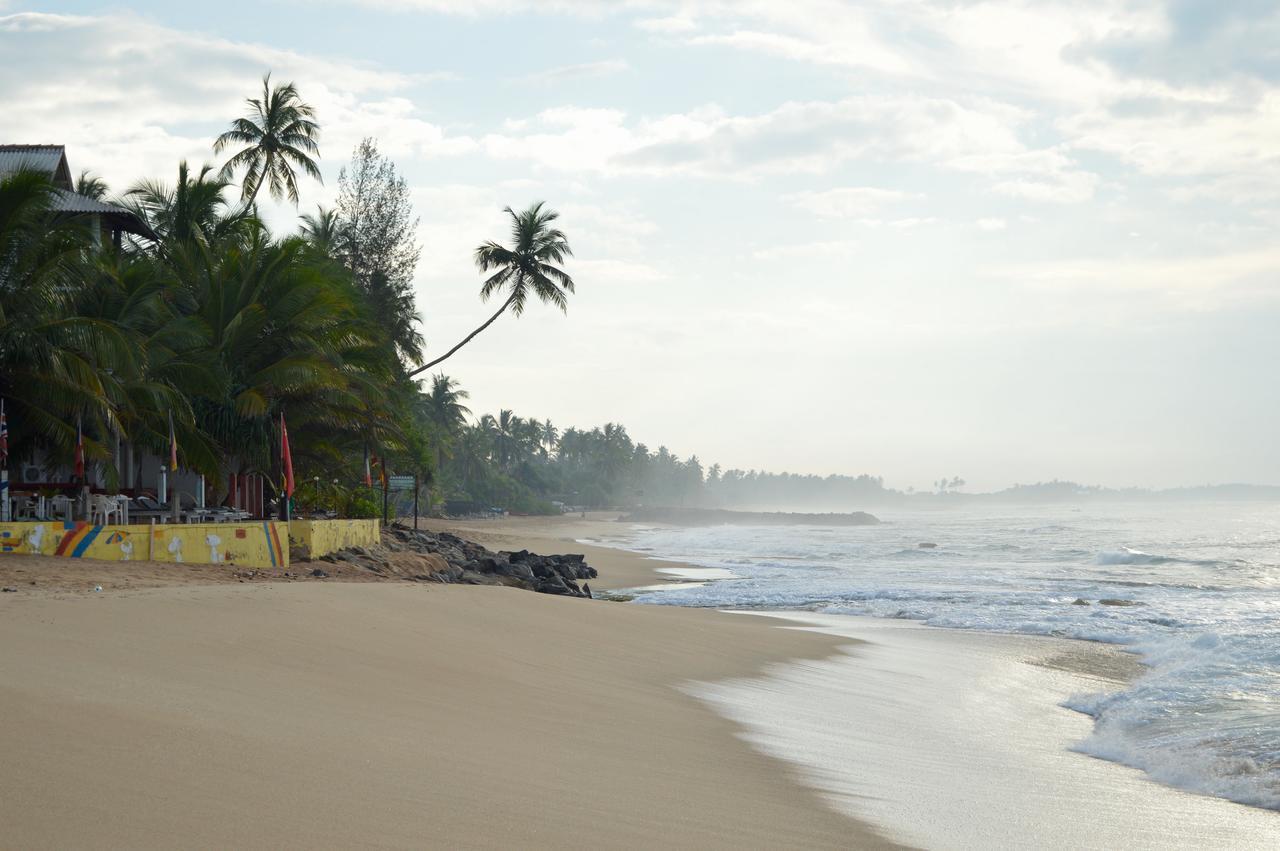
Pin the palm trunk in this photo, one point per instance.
(258, 185)
(466, 339)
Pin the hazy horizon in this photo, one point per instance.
(1007, 241)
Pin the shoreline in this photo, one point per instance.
(388, 713)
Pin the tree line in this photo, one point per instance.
(222, 325)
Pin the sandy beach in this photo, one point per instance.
(183, 707)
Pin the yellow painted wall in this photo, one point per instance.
(314, 538)
(249, 544)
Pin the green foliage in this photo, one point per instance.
(223, 327)
(278, 134)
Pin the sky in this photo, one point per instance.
(1007, 241)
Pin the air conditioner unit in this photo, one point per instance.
(32, 473)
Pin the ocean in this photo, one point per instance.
(1192, 589)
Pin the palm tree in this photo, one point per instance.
(56, 364)
(91, 186)
(279, 133)
(191, 211)
(550, 434)
(525, 267)
(322, 230)
(444, 406)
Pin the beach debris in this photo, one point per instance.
(97, 588)
(319, 574)
(1080, 601)
(9, 589)
(926, 545)
(1114, 602)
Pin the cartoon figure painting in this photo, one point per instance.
(213, 540)
(35, 540)
(175, 548)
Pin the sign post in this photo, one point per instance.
(415, 502)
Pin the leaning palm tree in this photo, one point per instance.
(524, 268)
(279, 133)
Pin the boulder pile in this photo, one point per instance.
(442, 557)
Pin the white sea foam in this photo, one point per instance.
(1191, 589)
(951, 740)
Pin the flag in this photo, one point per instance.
(173, 445)
(368, 475)
(286, 460)
(79, 451)
(4, 437)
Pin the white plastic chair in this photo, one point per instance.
(102, 508)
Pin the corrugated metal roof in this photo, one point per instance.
(50, 159)
(70, 202)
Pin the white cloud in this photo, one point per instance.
(670, 25)
(820, 251)
(141, 96)
(1193, 282)
(603, 68)
(992, 224)
(847, 202)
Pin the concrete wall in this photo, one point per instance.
(314, 538)
(257, 544)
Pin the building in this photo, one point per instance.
(111, 221)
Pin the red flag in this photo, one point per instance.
(286, 460)
(4, 436)
(79, 451)
(173, 445)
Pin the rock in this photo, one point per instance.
(926, 545)
(1113, 602)
(1080, 601)
(586, 589)
(319, 574)
(554, 585)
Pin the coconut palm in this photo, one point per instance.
(279, 134)
(526, 267)
(56, 365)
(550, 435)
(443, 404)
(91, 186)
(193, 210)
(323, 230)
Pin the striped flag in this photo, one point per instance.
(79, 451)
(173, 445)
(4, 465)
(286, 459)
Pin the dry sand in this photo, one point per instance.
(214, 713)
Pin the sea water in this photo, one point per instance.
(1194, 590)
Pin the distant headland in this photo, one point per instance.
(721, 516)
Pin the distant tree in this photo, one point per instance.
(323, 230)
(378, 243)
(279, 134)
(527, 266)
